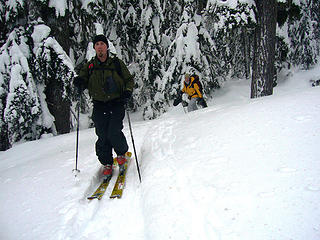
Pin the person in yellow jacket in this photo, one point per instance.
(191, 86)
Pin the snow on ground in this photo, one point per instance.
(240, 169)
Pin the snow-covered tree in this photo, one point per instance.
(24, 86)
(53, 73)
(192, 51)
(304, 35)
(231, 26)
(123, 29)
(21, 106)
(13, 15)
(298, 33)
(150, 58)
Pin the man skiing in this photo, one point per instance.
(192, 87)
(110, 86)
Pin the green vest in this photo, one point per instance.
(108, 80)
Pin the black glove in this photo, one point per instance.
(126, 96)
(78, 83)
(202, 102)
(177, 100)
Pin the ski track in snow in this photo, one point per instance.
(160, 146)
(99, 219)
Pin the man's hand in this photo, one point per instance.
(126, 96)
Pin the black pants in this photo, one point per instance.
(108, 121)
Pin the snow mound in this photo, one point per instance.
(236, 170)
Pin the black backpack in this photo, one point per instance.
(197, 81)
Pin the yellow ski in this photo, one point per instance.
(120, 183)
(100, 190)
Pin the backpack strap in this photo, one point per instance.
(118, 66)
(116, 62)
(90, 67)
(197, 81)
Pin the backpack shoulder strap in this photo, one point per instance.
(117, 64)
(90, 66)
(197, 81)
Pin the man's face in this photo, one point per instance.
(101, 49)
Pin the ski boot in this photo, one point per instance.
(121, 159)
(107, 171)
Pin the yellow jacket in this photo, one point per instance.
(192, 89)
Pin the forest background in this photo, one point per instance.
(45, 42)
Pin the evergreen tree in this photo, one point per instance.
(22, 108)
(298, 33)
(231, 27)
(123, 29)
(53, 70)
(25, 94)
(192, 50)
(4, 89)
(150, 60)
(13, 15)
(304, 35)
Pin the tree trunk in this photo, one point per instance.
(59, 107)
(263, 68)
(4, 138)
(246, 52)
(201, 5)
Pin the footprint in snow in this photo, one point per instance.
(301, 118)
(313, 188)
(287, 170)
(266, 194)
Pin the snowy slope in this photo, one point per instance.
(240, 169)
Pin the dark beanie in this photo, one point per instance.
(100, 38)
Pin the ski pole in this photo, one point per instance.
(134, 148)
(184, 109)
(76, 170)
